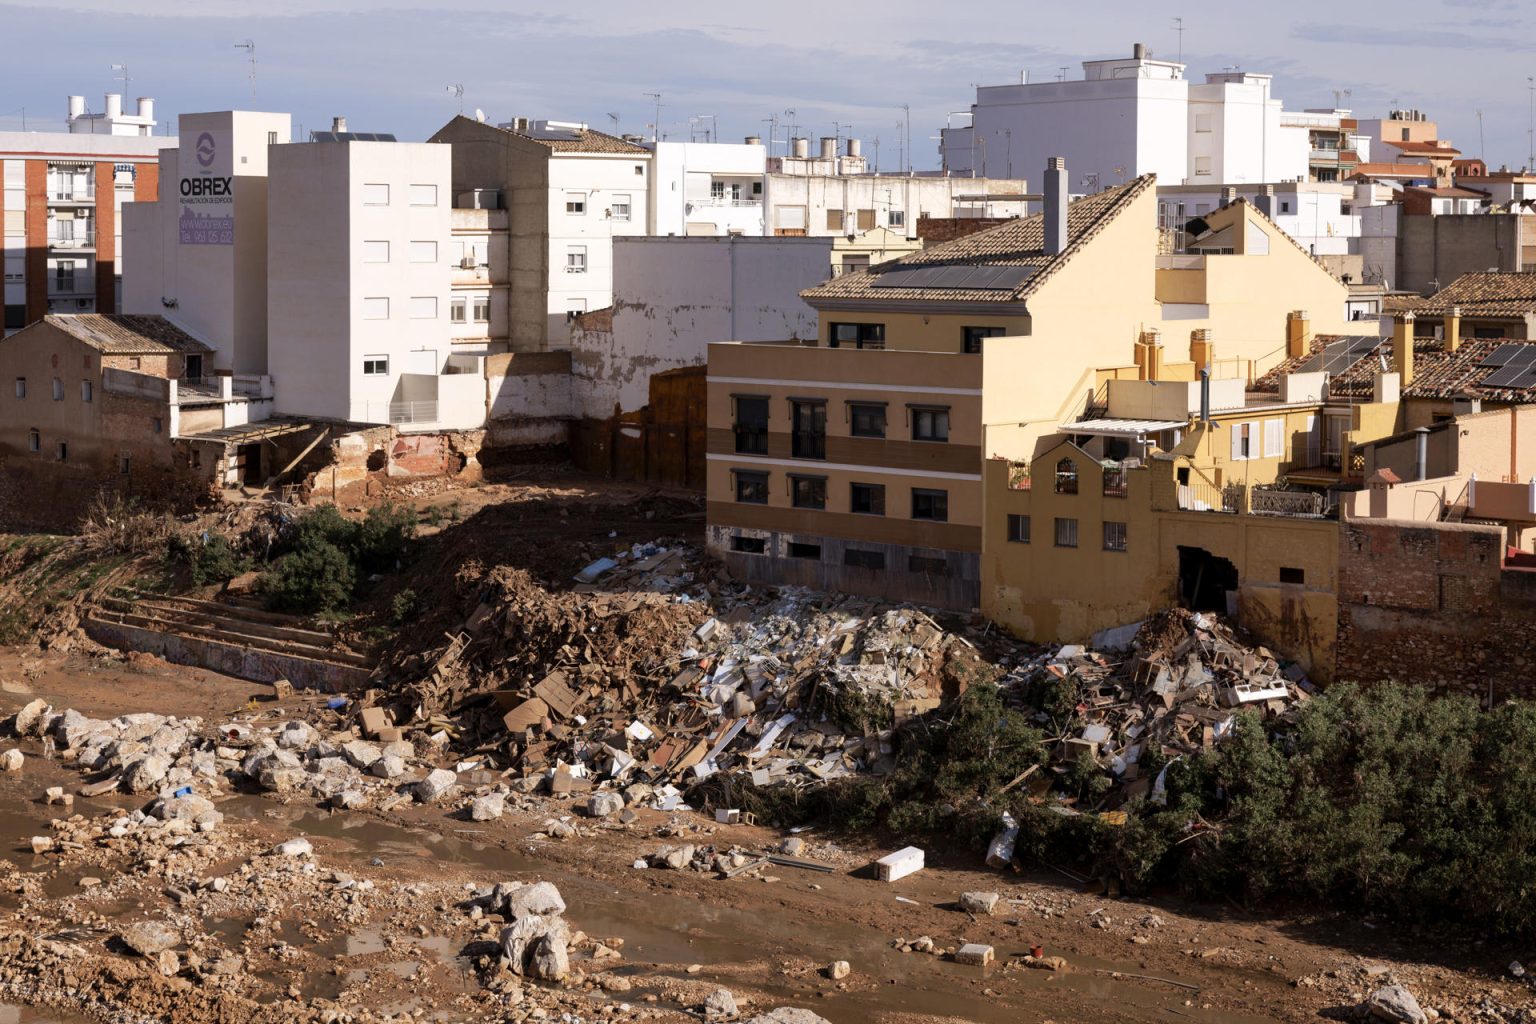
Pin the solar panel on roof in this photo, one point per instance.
(1506, 376)
(973, 278)
(1341, 355)
(1500, 356)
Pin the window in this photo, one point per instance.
(897, 218)
(122, 464)
(867, 420)
(62, 451)
(1242, 441)
(1114, 482)
(857, 335)
(619, 208)
(1285, 206)
(1066, 477)
(1290, 574)
(1202, 165)
(576, 259)
(34, 442)
(863, 559)
(1202, 122)
(749, 545)
(423, 195)
(58, 390)
(928, 565)
(271, 138)
(834, 220)
(1274, 438)
(930, 504)
(1018, 529)
(159, 425)
(457, 309)
(867, 499)
(808, 491)
(1114, 536)
(576, 203)
(21, 387)
(808, 438)
(424, 307)
(809, 551)
(423, 252)
(375, 195)
(1066, 533)
(482, 309)
(930, 424)
(376, 252)
(866, 220)
(970, 337)
(751, 488)
(86, 391)
(1405, 134)
(376, 308)
(375, 366)
(752, 425)
(639, 168)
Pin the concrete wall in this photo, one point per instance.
(674, 296)
(1441, 249)
(529, 398)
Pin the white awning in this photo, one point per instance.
(1121, 428)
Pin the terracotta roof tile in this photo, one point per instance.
(1485, 293)
(1437, 374)
(586, 141)
(126, 334)
(1015, 243)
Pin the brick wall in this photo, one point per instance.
(933, 230)
(1432, 603)
(37, 239)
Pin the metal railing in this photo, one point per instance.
(1266, 501)
(79, 240)
(72, 195)
(71, 287)
(406, 413)
(1114, 483)
(727, 201)
(1018, 476)
(1204, 497)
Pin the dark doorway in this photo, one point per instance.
(250, 465)
(1205, 580)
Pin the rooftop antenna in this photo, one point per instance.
(1062, 74)
(614, 117)
(1480, 152)
(250, 48)
(457, 92)
(906, 144)
(1178, 26)
(655, 125)
(123, 68)
(1530, 132)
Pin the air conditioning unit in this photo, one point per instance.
(468, 263)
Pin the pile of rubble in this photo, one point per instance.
(1171, 686)
(650, 677)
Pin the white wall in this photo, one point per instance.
(680, 189)
(908, 197)
(602, 181)
(674, 296)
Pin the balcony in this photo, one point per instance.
(71, 197)
(71, 287)
(85, 239)
(727, 202)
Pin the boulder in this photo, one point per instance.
(551, 959)
(349, 799)
(524, 939)
(978, 902)
(601, 805)
(189, 808)
(539, 899)
(361, 753)
(295, 736)
(720, 1005)
(435, 785)
(837, 970)
(1395, 1003)
(150, 938)
(789, 1015)
(300, 847)
(487, 808)
(29, 718)
(388, 767)
(146, 773)
(12, 760)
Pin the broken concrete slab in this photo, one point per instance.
(900, 864)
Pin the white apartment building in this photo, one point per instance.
(61, 218)
(1320, 217)
(1131, 116)
(568, 191)
(708, 188)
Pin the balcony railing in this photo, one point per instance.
(72, 195)
(1204, 497)
(407, 413)
(726, 201)
(78, 240)
(1265, 501)
(1018, 476)
(71, 287)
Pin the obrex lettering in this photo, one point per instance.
(207, 186)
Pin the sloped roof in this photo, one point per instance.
(1018, 244)
(585, 140)
(1393, 170)
(126, 334)
(1425, 148)
(1437, 374)
(1485, 293)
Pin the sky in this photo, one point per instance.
(828, 66)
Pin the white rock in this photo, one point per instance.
(837, 970)
(978, 902)
(720, 1005)
(387, 767)
(12, 760)
(604, 803)
(361, 753)
(1396, 1004)
(150, 938)
(487, 808)
(30, 717)
(300, 847)
(435, 785)
(539, 899)
(788, 1015)
(146, 773)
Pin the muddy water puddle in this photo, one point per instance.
(28, 1015)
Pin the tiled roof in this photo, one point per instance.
(1384, 170)
(126, 334)
(1485, 293)
(1436, 372)
(1015, 243)
(586, 141)
(1426, 148)
(1447, 192)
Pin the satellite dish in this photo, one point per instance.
(479, 115)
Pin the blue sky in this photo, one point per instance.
(386, 64)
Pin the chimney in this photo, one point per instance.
(1421, 453)
(754, 140)
(1205, 395)
(802, 149)
(114, 106)
(855, 147)
(1139, 51)
(1228, 194)
(1298, 334)
(1149, 355)
(1453, 329)
(1265, 201)
(146, 108)
(76, 107)
(1055, 205)
(1202, 350)
(520, 124)
(828, 147)
(1402, 348)
(338, 125)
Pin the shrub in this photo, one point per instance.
(404, 605)
(316, 577)
(384, 537)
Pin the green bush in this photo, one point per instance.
(404, 605)
(326, 555)
(315, 578)
(209, 558)
(384, 537)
